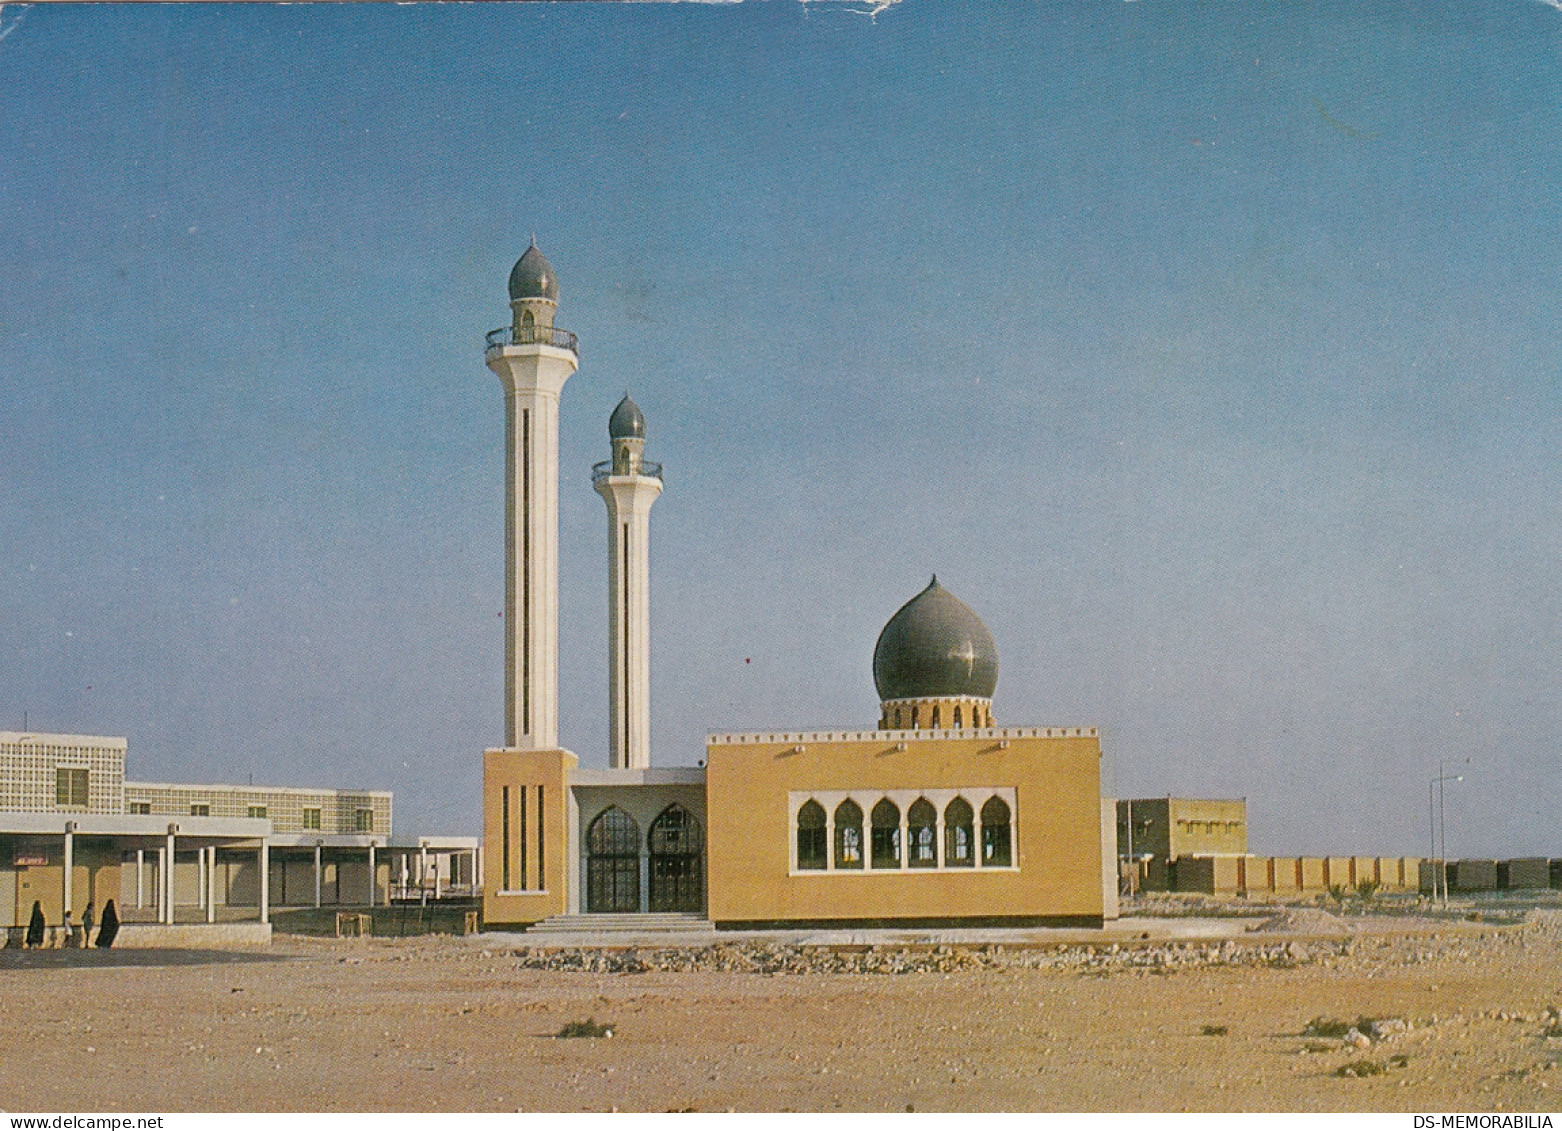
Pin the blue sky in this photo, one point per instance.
(1210, 352)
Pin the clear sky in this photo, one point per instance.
(1210, 352)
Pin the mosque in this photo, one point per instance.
(935, 815)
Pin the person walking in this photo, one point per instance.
(110, 928)
(35, 927)
(87, 921)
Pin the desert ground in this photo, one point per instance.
(1303, 1010)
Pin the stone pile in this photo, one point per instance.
(765, 958)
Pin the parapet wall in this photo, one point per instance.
(1283, 875)
(1305, 875)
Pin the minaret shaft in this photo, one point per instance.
(533, 376)
(629, 500)
(629, 486)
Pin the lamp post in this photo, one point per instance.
(1435, 788)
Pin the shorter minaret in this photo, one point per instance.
(629, 485)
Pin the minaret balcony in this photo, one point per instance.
(532, 336)
(604, 470)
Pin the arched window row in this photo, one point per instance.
(937, 714)
(903, 830)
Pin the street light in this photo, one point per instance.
(1438, 821)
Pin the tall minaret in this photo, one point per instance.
(629, 485)
(533, 360)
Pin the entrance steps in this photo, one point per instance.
(625, 923)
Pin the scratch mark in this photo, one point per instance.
(869, 8)
(1346, 127)
(7, 28)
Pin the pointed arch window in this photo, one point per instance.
(528, 327)
(848, 835)
(812, 840)
(996, 849)
(886, 834)
(677, 861)
(922, 834)
(959, 834)
(934, 723)
(957, 717)
(613, 862)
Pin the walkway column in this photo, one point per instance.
(372, 884)
(140, 878)
(317, 873)
(70, 844)
(477, 867)
(422, 870)
(211, 883)
(160, 894)
(168, 879)
(265, 879)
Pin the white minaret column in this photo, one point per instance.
(629, 485)
(533, 360)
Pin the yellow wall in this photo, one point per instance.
(531, 897)
(1056, 828)
(94, 876)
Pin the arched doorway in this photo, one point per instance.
(677, 861)
(613, 862)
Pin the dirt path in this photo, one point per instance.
(442, 1024)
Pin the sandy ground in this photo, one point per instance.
(463, 1024)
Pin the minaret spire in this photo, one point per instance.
(532, 359)
(629, 484)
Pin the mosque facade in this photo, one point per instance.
(934, 814)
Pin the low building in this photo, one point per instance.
(1153, 833)
(73, 831)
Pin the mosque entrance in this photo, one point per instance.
(613, 863)
(677, 861)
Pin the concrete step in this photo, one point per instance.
(653, 922)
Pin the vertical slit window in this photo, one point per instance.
(504, 840)
(542, 876)
(526, 571)
(520, 806)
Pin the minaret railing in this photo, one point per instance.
(604, 470)
(533, 336)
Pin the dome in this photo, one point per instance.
(626, 423)
(935, 647)
(532, 277)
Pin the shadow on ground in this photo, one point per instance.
(12, 959)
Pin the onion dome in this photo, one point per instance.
(532, 277)
(935, 647)
(626, 423)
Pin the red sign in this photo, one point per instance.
(29, 859)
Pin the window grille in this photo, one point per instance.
(70, 788)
